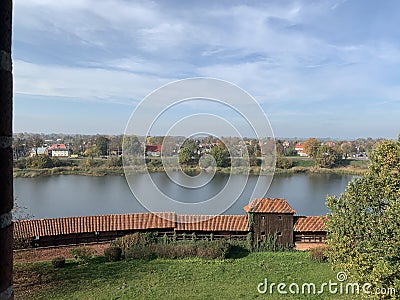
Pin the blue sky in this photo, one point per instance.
(317, 68)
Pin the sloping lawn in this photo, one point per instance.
(173, 279)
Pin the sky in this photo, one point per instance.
(316, 68)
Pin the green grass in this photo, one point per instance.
(302, 162)
(172, 279)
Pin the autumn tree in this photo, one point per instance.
(347, 149)
(311, 146)
(102, 145)
(131, 146)
(363, 226)
(327, 157)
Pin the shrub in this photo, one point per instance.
(113, 253)
(284, 163)
(114, 162)
(58, 262)
(212, 250)
(249, 240)
(82, 254)
(149, 250)
(194, 238)
(319, 253)
(136, 239)
(40, 162)
(165, 239)
(141, 252)
(22, 243)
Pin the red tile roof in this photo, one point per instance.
(269, 205)
(212, 223)
(46, 227)
(57, 146)
(309, 224)
(153, 148)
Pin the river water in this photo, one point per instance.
(64, 196)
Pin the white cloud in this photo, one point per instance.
(83, 83)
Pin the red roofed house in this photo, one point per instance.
(58, 150)
(271, 216)
(153, 150)
(300, 149)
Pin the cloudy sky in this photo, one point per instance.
(317, 68)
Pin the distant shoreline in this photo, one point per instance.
(119, 171)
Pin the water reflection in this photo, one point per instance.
(61, 196)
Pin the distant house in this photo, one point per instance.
(153, 150)
(58, 150)
(38, 151)
(300, 149)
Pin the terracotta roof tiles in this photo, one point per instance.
(269, 205)
(212, 223)
(45, 227)
(309, 224)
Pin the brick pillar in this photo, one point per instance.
(6, 173)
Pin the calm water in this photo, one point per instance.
(62, 196)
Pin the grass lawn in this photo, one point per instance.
(173, 279)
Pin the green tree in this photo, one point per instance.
(327, 157)
(363, 226)
(311, 146)
(102, 145)
(131, 145)
(221, 156)
(348, 149)
(40, 162)
(185, 155)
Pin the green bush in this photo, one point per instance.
(212, 250)
(113, 253)
(269, 244)
(40, 162)
(62, 162)
(136, 239)
(150, 249)
(284, 163)
(82, 254)
(319, 253)
(58, 262)
(114, 162)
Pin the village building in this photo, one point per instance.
(58, 150)
(153, 150)
(38, 151)
(300, 149)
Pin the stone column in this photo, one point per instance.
(6, 172)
